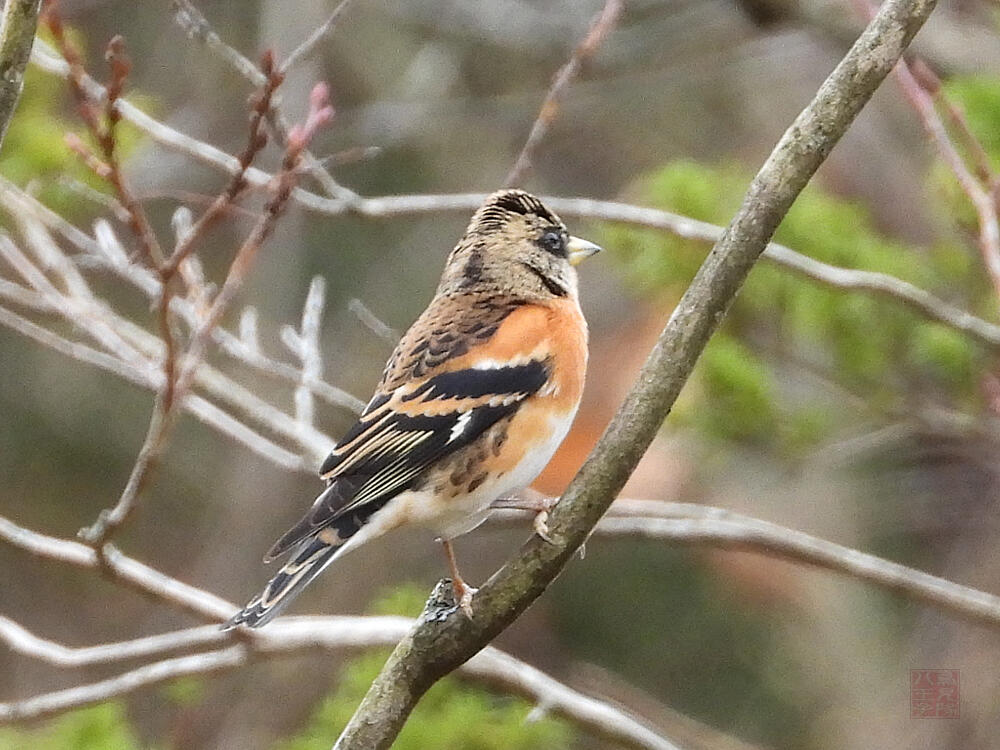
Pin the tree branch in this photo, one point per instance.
(600, 27)
(870, 282)
(17, 34)
(687, 523)
(288, 636)
(443, 640)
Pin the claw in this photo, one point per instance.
(541, 526)
(463, 591)
(463, 595)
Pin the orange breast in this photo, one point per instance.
(554, 331)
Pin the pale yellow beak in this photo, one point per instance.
(578, 249)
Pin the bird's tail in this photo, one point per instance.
(307, 561)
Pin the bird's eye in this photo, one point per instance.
(554, 242)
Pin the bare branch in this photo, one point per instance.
(442, 640)
(600, 27)
(288, 636)
(25, 642)
(309, 46)
(982, 201)
(119, 567)
(372, 322)
(305, 346)
(870, 282)
(153, 674)
(198, 28)
(717, 527)
(17, 33)
(203, 410)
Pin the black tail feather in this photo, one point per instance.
(305, 564)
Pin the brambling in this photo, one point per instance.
(473, 402)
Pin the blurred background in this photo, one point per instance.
(827, 411)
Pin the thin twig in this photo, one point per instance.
(930, 82)
(288, 636)
(305, 346)
(981, 199)
(600, 27)
(260, 104)
(309, 46)
(197, 26)
(299, 137)
(919, 86)
(106, 252)
(869, 282)
(59, 701)
(177, 381)
(117, 566)
(372, 322)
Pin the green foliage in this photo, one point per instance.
(35, 147)
(791, 348)
(979, 98)
(102, 727)
(669, 624)
(451, 716)
(186, 691)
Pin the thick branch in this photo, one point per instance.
(17, 34)
(439, 643)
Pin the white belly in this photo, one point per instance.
(459, 515)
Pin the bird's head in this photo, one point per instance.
(514, 244)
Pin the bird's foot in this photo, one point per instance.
(541, 526)
(463, 595)
(540, 504)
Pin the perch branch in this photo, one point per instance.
(444, 639)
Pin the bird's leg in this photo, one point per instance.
(539, 504)
(463, 591)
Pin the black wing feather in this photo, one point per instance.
(386, 451)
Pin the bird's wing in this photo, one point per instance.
(403, 432)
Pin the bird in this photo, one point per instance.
(472, 404)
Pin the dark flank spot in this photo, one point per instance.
(498, 441)
(475, 483)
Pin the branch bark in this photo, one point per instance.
(384, 207)
(444, 638)
(17, 35)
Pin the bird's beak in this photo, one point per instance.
(578, 249)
